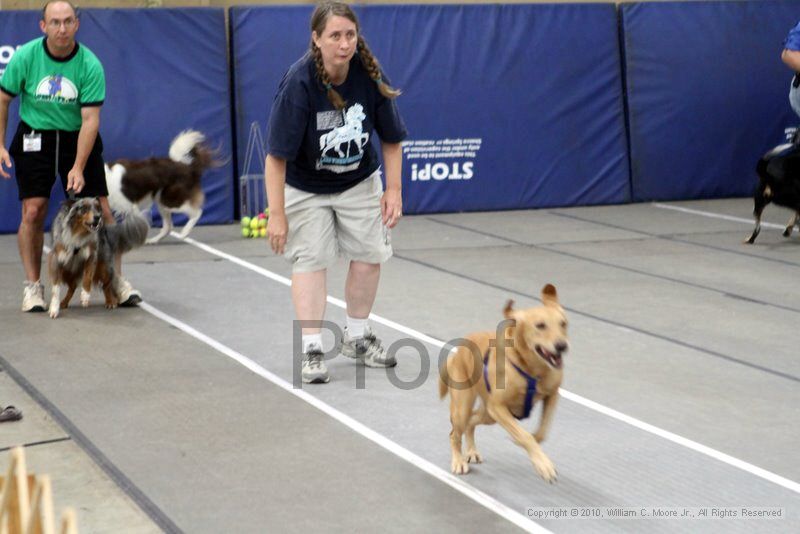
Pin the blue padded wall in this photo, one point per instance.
(508, 106)
(166, 70)
(707, 94)
(538, 85)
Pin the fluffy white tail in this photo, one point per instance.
(181, 147)
(119, 203)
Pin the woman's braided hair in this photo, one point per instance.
(319, 19)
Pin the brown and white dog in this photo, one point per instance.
(173, 183)
(507, 371)
(84, 249)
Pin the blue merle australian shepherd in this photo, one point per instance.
(84, 249)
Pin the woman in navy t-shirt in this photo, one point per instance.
(324, 184)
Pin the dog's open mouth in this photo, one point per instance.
(554, 359)
(93, 226)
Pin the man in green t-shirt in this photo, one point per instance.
(61, 85)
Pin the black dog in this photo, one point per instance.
(778, 182)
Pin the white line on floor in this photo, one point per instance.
(716, 215)
(452, 481)
(665, 434)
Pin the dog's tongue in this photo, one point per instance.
(554, 359)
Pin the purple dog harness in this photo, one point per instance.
(529, 393)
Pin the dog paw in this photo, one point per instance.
(459, 466)
(539, 437)
(545, 469)
(85, 297)
(53, 312)
(474, 457)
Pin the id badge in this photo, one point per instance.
(32, 142)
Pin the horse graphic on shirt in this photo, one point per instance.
(352, 130)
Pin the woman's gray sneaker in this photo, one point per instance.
(367, 349)
(314, 370)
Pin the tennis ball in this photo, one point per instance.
(266, 212)
(262, 223)
(246, 221)
(253, 223)
(263, 232)
(245, 232)
(261, 216)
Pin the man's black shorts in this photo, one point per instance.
(36, 171)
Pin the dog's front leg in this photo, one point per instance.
(70, 291)
(790, 225)
(760, 201)
(757, 230)
(158, 237)
(544, 467)
(86, 286)
(55, 299)
(548, 409)
(194, 216)
(166, 223)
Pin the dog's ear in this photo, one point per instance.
(549, 295)
(508, 311)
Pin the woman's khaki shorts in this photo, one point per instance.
(322, 227)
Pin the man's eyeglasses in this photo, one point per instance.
(67, 23)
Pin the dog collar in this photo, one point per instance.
(529, 393)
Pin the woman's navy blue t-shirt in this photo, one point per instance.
(329, 151)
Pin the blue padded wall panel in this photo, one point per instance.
(538, 85)
(707, 94)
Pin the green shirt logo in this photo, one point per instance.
(56, 88)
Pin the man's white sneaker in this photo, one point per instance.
(33, 297)
(367, 349)
(128, 296)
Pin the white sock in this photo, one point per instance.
(312, 339)
(355, 327)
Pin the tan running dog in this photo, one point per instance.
(509, 370)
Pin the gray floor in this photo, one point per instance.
(180, 415)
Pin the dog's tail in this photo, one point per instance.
(183, 146)
(442, 384)
(128, 234)
(190, 147)
(444, 374)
